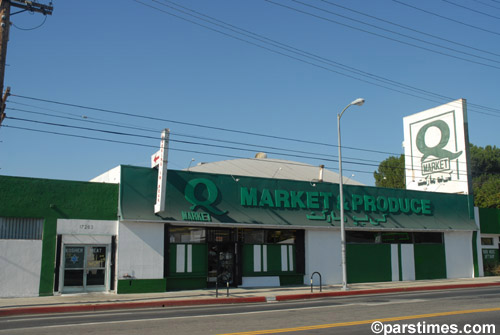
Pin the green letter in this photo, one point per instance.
(248, 198)
(326, 199)
(312, 200)
(415, 206)
(382, 204)
(295, 199)
(281, 198)
(426, 206)
(370, 203)
(404, 205)
(266, 199)
(393, 205)
(356, 200)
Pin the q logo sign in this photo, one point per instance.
(442, 156)
(201, 192)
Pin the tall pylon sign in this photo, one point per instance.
(437, 149)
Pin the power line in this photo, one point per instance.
(471, 9)
(322, 158)
(383, 36)
(306, 54)
(447, 18)
(182, 150)
(195, 124)
(175, 134)
(409, 28)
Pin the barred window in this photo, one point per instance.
(21, 228)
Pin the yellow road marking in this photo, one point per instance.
(355, 323)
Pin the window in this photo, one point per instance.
(187, 235)
(362, 237)
(21, 228)
(267, 236)
(486, 240)
(428, 238)
(397, 237)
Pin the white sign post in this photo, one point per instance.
(437, 149)
(160, 159)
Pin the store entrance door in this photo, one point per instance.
(222, 257)
(221, 264)
(85, 268)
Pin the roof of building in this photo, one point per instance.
(271, 168)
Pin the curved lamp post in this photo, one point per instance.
(357, 102)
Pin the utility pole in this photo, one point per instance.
(5, 6)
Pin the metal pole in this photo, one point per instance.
(357, 102)
(341, 194)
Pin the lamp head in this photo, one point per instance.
(358, 102)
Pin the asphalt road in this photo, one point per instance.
(438, 312)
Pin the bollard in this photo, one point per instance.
(216, 289)
(227, 285)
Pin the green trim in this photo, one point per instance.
(186, 283)
(400, 263)
(474, 254)
(293, 279)
(141, 285)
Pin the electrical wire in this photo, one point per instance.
(180, 150)
(323, 159)
(195, 124)
(446, 18)
(383, 36)
(175, 134)
(314, 57)
(471, 9)
(246, 144)
(409, 28)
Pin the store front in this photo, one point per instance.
(249, 232)
(209, 257)
(86, 250)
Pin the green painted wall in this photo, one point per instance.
(489, 220)
(430, 261)
(199, 260)
(273, 261)
(141, 285)
(52, 200)
(368, 263)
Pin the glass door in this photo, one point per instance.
(85, 268)
(221, 263)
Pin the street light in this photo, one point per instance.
(357, 102)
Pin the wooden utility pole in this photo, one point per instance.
(5, 6)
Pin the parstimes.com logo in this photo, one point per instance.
(425, 328)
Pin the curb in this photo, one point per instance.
(381, 291)
(125, 305)
(214, 301)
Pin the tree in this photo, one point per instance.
(485, 170)
(485, 173)
(391, 173)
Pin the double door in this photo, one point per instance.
(85, 268)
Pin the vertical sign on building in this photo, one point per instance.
(160, 159)
(437, 149)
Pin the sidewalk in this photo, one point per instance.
(107, 301)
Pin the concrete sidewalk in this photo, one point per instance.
(107, 301)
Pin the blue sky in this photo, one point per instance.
(128, 57)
